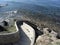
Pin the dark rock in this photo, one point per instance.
(2, 29)
(49, 30)
(43, 26)
(5, 23)
(58, 36)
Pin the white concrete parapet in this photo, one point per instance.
(10, 37)
(29, 31)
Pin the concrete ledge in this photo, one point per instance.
(10, 37)
(30, 33)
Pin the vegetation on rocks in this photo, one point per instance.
(8, 28)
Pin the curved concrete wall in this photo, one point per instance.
(10, 37)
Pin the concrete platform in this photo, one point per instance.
(27, 34)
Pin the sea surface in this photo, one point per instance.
(49, 7)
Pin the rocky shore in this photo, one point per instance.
(43, 35)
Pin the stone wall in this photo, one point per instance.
(10, 37)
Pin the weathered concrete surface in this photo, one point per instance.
(27, 34)
(29, 31)
(9, 37)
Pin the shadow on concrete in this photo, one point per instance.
(24, 39)
(37, 32)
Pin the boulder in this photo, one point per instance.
(43, 40)
(48, 37)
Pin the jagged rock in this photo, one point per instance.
(38, 28)
(45, 30)
(48, 38)
(53, 35)
(49, 30)
(43, 26)
(38, 32)
(43, 40)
